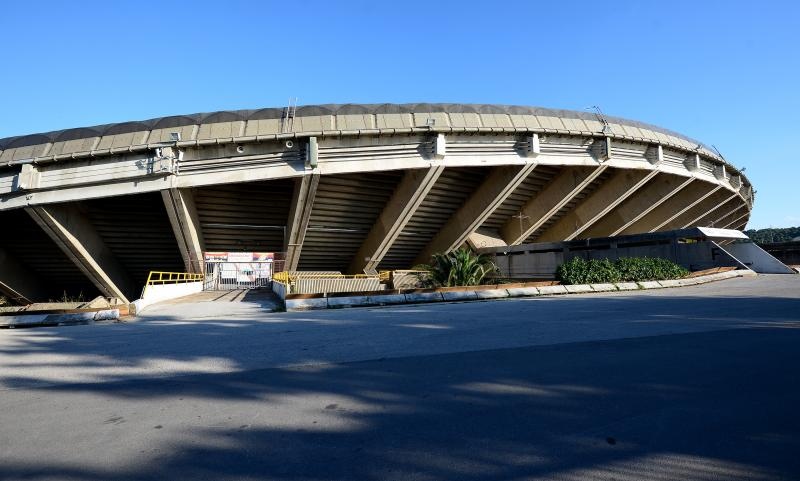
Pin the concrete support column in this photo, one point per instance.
(558, 193)
(592, 209)
(725, 216)
(704, 211)
(671, 208)
(662, 188)
(739, 223)
(407, 197)
(182, 214)
(18, 282)
(71, 230)
(305, 190)
(499, 184)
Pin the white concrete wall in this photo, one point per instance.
(165, 292)
(757, 259)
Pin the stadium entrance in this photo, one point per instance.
(238, 270)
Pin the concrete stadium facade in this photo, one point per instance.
(351, 188)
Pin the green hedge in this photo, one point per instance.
(629, 269)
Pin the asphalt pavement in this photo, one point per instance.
(691, 383)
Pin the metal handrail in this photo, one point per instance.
(161, 277)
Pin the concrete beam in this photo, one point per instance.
(182, 214)
(744, 217)
(726, 217)
(539, 209)
(499, 184)
(686, 217)
(484, 238)
(305, 190)
(740, 223)
(670, 208)
(72, 232)
(734, 219)
(407, 197)
(18, 282)
(662, 188)
(708, 210)
(592, 209)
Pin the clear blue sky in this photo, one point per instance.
(726, 73)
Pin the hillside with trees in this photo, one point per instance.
(772, 235)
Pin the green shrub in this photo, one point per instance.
(649, 269)
(458, 268)
(630, 269)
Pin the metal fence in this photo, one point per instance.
(238, 275)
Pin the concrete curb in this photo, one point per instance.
(604, 287)
(500, 293)
(460, 296)
(523, 291)
(550, 290)
(579, 288)
(492, 294)
(32, 320)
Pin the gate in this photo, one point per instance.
(239, 270)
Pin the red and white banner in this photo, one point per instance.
(239, 256)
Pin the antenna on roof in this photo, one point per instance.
(601, 117)
(717, 151)
(287, 120)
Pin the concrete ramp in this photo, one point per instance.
(757, 259)
(214, 305)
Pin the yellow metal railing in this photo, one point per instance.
(159, 277)
(287, 276)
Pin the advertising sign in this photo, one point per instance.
(239, 256)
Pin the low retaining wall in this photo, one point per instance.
(59, 318)
(280, 289)
(298, 302)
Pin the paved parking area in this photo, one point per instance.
(689, 383)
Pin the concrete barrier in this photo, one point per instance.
(627, 286)
(603, 287)
(649, 285)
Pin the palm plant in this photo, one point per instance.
(458, 268)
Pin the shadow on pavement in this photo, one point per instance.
(699, 406)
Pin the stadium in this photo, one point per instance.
(349, 188)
